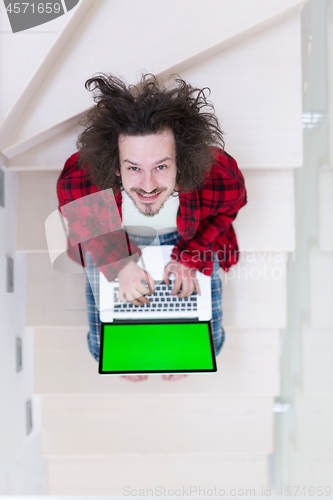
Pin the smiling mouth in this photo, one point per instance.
(148, 197)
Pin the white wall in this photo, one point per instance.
(18, 451)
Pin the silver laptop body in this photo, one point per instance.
(162, 305)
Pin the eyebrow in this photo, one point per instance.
(137, 164)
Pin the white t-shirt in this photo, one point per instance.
(164, 222)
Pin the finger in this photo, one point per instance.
(177, 285)
(143, 299)
(128, 297)
(150, 282)
(177, 281)
(166, 275)
(139, 289)
(186, 282)
(169, 271)
(135, 298)
(122, 296)
(137, 302)
(131, 295)
(187, 288)
(197, 287)
(139, 296)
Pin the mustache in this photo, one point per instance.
(141, 191)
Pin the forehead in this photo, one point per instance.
(150, 147)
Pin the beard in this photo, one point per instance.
(148, 210)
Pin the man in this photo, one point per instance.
(156, 148)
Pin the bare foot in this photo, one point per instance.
(176, 376)
(135, 378)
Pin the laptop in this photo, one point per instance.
(168, 335)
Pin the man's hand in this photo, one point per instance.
(131, 284)
(185, 278)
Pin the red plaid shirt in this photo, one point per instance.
(204, 220)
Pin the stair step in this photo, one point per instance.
(267, 221)
(266, 112)
(313, 429)
(130, 51)
(53, 298)
(314, 472)
(157, 475)
(321, 289)
(37, 199)
(158, 423)
(317, 374)
(246, 355)
(254, 293)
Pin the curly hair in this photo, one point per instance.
(148, 108)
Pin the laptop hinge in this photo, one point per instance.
(156, 320)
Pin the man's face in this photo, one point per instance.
(148, 169)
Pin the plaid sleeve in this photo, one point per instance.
(94, 223)
(221, 197)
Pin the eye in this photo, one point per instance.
(161, 167)
(133, 169)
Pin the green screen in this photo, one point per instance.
(156, 347)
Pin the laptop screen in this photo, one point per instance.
(156, 348)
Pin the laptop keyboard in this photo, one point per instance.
(159, 301)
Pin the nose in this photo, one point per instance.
(148, 183)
